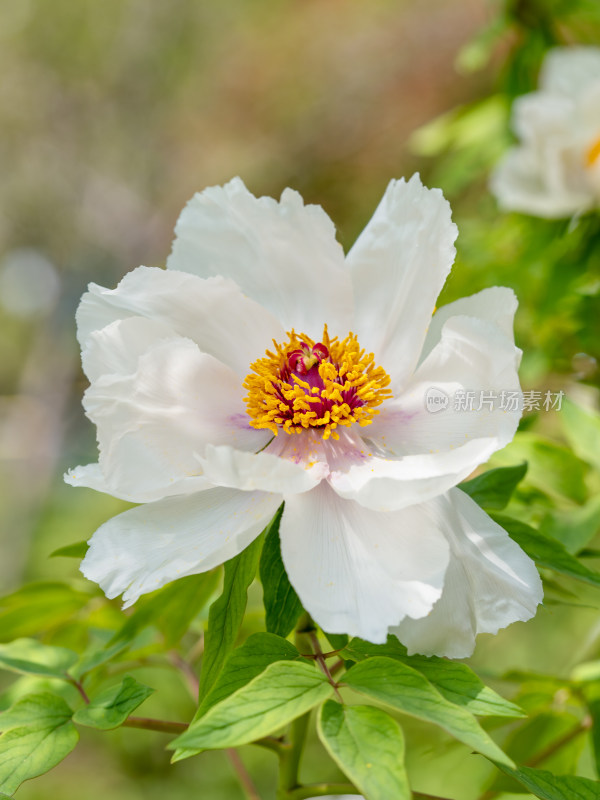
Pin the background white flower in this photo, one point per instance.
(554, 171)
(257, 303)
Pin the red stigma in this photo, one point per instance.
(303, 360)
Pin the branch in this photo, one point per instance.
(79, 686)
(337, 667)
(160, 725)
(187, 672)
(330, 654)
(320, 657)
(584, 725)
(243, 776)
(550, 750)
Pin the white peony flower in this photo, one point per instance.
(555, 170)
(260, 367)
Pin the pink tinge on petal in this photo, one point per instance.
(321, 456)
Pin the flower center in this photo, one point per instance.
(306, 384)
(592, 154)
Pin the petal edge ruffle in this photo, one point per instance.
(490, 583)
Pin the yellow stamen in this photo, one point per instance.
(352, 388)
(593, 153)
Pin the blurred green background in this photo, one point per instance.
(112, 114)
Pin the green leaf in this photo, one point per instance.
(552, 468)
(494, 488)
(594, 709)
(359, 649)
(227, 612)
(405, 689)
(112, 707)
(541, 733)
(41, 710)
(245, 663)
(573, 528)
(546, 552)
(34, 658)
(585, 672)
(455, 681)
(96, 656)
(582, 429)
(368, 746)
(282, 692)
(589, 552)
(241, 666)
(546, 786)
(282, 604)
(38, 607)
(39, 735)
(458, 683)
(75, 550)
(336, 640)
(170, 609)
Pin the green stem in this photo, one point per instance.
(289, 759)
(271, 743)
(290, 754)
(321, 789)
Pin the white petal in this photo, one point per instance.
(146, 547)
(545, 175)
(359, 571)
(115, 349)
(490, 583)
(589, 111)
(399, 264)
(538, 118)
(414, 454)
(556, 136)
(225, 466)
(153, 422)
(387, 484)
(566, 70)
(307, 450)
(519, 183)
(91, 476)
(213, 313)
(497, 305)
(283, 255)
